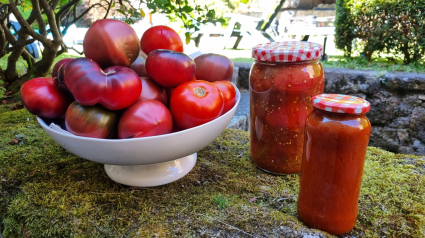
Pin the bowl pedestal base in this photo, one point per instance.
(152, 174)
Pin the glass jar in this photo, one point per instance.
(336, 138)
(281, 85)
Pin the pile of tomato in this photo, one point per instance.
(126, 87)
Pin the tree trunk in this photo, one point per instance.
(11, 73)
(41, 68)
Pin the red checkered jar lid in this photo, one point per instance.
(287, 51)
(340, 103)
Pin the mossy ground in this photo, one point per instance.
(48, 192)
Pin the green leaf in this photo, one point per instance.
(244, 1)
(4, 1)
(121, 11)
(161, 1)
(187, 9)
(211, 14)
(187, 34)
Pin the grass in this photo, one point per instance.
(379, 64)
(48, 192)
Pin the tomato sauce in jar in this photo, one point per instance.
(336, 138)
(283, 79)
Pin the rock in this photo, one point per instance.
(404, 81)
(243, 74)
(351, 81)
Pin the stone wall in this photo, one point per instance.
(397, 100)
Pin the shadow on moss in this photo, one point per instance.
(48, 192)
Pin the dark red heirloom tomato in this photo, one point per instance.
(229, 94)
(111, 42)
(145, 118)
(152, 90)
(91, 121)
(59, 77)
(161, 37)
(41, 98)
(170, 68)
(195, 103)
(115, 87)
(213, 67)
(139, 65)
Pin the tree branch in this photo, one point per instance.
(55, 4)
(67, 6)
(51, 19)
(31, 18)
(36, 10)
(9, 36)
(11, 72)
(24, 24)
(62, 50)
(20, 44)
(82, 14)
(79, 52)
(109, 8)
(3, 42)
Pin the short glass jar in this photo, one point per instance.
(283, 79)
(336, 137)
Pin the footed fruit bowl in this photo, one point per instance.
(148, 161)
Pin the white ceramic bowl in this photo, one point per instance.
(127, 159)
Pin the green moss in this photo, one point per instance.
(48, 192)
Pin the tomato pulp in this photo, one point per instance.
(332, 168)
(280, 100)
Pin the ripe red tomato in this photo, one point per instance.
(169, 68)
(169, 91)
(229, 94)
(41, 98)
(111, 42)
(213, 67)
(139, 65)
(115, 87)
(161, 37)
(59, 77)
(91, 121)
(145, 118)
(152, 90)
(195, 103)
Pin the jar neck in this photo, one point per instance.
(288, 63)
(336, 114)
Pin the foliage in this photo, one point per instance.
(48, 192)
(384, 26)
(192, 17)
(344, 27)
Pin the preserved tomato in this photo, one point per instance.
(280, 100)
(335, 147)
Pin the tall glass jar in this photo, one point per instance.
(337, 135)
(283, 79)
